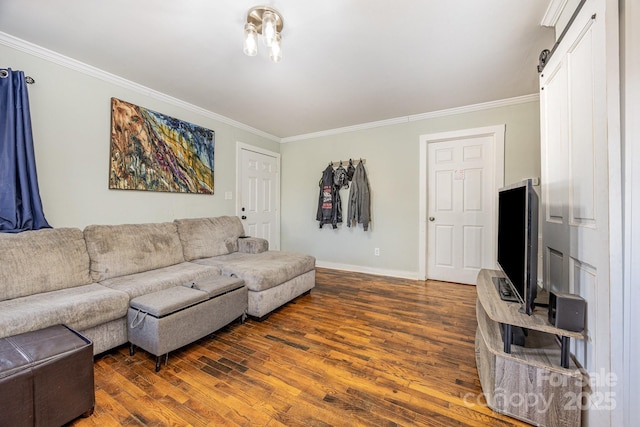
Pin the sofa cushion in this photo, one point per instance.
(42, 261)
(118, 250)
(161, 278)
(208, 237)
(80, 308)
(264, 270)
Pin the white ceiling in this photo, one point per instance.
(345, 62)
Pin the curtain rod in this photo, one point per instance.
(30, 80)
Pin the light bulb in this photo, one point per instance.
(250, 40)
(269, 27)
(275, 51)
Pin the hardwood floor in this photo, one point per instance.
(359, 350)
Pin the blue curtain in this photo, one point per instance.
(20, 204)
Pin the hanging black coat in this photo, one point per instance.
(329, 203)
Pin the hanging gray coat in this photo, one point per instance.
(359, 211)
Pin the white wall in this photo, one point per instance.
(392, 164)
(71, 113)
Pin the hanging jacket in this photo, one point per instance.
(359, 199)
(350, 170)
(329, 203)
(340, 178)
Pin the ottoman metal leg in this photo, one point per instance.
(159, 361)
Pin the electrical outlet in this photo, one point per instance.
(376, 251)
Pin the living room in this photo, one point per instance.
(70, 108)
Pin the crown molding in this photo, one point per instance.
(477, 107)
(551, 16)
(416, 117)
(345, 129)
(65, 61)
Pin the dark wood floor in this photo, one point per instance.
(359, 350)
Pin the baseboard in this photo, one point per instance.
(413, 275)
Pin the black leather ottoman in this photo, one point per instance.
(46, 377)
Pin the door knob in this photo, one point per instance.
(243, 217)
(431, 218)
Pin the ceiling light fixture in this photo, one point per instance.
(267, 22)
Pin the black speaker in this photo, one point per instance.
(566, 311)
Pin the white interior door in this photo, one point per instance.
(461, 207)
(259, 193)
(581, 190)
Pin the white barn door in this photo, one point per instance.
(581, 209)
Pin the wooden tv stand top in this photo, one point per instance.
(508, 312)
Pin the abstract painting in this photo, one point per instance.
(154, 152)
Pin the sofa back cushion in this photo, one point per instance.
(208, 237)
(118, 250)
(43, 260)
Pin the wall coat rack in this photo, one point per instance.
(346, 162)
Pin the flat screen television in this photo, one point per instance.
(518, 243)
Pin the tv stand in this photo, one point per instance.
(538, 383)
(504, 290)
(518, 334)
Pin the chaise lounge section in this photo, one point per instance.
(272, 277)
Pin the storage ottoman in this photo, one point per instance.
(166, 320)
(46, 377)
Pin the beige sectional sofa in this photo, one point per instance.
(85, 279)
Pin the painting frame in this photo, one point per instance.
(151, 151)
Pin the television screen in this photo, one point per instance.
(518, 240)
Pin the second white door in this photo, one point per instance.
(461, 208)
(259, 194)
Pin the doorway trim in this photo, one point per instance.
(240, 146)
(497, 133)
